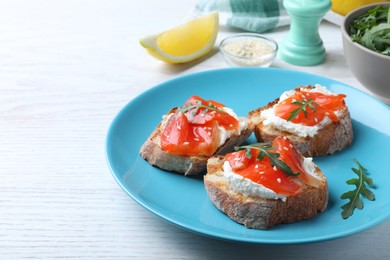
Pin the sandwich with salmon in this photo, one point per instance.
(189, 135)
(263, 185)
(314, 118)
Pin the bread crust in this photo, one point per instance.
(333, 137)
(260, 213)
(187, 165)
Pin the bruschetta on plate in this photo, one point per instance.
(189, 135)
(314, 118)
(265, 185)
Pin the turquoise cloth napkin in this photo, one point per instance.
(249, 15)
(253, 15)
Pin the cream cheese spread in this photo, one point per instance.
(224, 134)
(270, 119)
(246, 186)
(249, 188)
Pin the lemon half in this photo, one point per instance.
(186, 42)
(343, 7)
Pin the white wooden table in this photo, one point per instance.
(66, 69)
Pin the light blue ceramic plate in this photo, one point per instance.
(183, 200)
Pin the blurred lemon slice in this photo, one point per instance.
(343, 7)
(186, 42)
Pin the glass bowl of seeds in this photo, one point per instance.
(249, 50)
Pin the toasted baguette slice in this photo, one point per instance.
(187, 165)
(330, 138)
(261, 213)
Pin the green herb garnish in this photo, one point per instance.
(264, 149)
(303, 104)
(361, 189)
(372, 30)
(198, 104)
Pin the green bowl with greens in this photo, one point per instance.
(366, 43)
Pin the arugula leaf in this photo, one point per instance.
(264, 149)
(303, 104)
(198, 104)
(372, 29)
(361, 189)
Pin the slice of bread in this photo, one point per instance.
(261, 213)
(187, 165)
(330, 138)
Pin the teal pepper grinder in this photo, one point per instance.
(303, 45)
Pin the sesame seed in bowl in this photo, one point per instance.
(249, 50)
